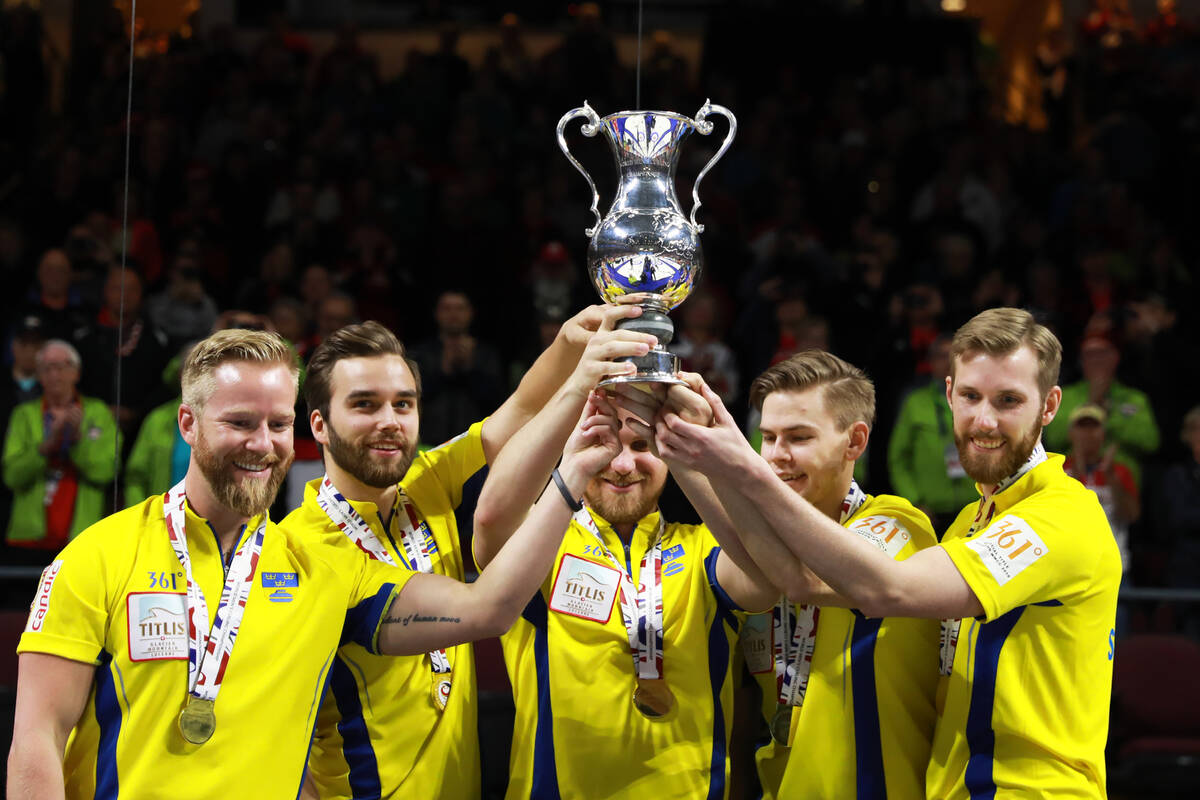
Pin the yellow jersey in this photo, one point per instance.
(577, 733)
(1027, 699)
(116, 598)
(380, 732)
(865, 727)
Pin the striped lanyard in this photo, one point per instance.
(641, 608)
(415, 538)
(949, 628)
(209, 653)
(795, 627)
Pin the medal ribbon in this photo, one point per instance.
(351, 523)
(948, 634)
(641, 608)
(209, 653)
(796, 627)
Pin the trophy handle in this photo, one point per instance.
(589, 128)
(704, 128)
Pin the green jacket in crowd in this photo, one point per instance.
(25, 468)
(917, 453)
(148, 471)
(1130, 422)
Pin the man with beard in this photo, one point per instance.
(1025, 581)
(620, 665)
(134, 681)
(393, 727)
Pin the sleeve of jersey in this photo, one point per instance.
(69, 614)
(895, 526)
(455, 461)
(1025, 558)
(374, 590)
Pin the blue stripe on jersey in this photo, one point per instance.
(313, 710)
(981, 738)
(356, 742)
(1049, 603)
(718, 665)
(545, 770)
(464, 515)
(868, 749)
(108, 717)
(363, 620)
(710, 568)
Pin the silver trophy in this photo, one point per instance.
(645, 243)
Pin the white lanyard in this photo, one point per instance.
(795, 627)
(209, 649)
(949, 628)
(641, 608)
(351, 523)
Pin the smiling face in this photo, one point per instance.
(999, 412)
(804, 447)
(241, 437)
(372, 429)
(629, 487)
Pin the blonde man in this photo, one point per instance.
(853, 696)
(1025, 581)
(136, 682)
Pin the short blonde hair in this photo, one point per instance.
(234, 344)
(1000, 331)
(849, 393)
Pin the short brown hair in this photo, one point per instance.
(234, 344)
(361, 340)
(1000, 331)
(1190, 420)
(849, 393)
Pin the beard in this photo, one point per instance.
(987, 470)
(622, 509)
(248, 497)
(361, 463)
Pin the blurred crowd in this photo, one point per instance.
(869, 209)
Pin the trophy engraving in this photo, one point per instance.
(645, 243)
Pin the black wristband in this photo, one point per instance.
(572, 503)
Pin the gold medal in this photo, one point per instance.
(781, 725)
(198, 720)
(652, 697)
(441, 691)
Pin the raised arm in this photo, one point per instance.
(550, 371)
(51, 693)
(925, 585)
(521, 469)
(434, 611)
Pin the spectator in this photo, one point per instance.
(1181, 499)
(183, 310)
(137, 349)
(159, 458)
(923, 460)
(700, 346)
(1130, 421)
(462, 377)
(53, 298)
(22, 385)
(59, 456)
(1098, 467)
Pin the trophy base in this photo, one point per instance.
(657, 366)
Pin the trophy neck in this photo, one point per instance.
(647, 138)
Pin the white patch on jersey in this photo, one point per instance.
(757, 643)
(157, 624)
(886, 533)
(1007, 547)
(41, 601)
(585, 589)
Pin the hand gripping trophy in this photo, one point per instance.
(645, 244)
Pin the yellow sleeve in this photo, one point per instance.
(450, 464)
(69, 615)
(893, 525)
(374, 587)
(1036, 553)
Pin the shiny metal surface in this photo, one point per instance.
(645, 243)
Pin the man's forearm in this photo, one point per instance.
(520, 471)
(35, 768)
